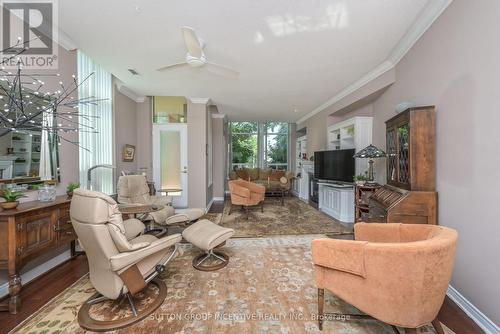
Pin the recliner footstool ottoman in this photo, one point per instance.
(206, 235)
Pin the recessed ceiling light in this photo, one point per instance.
(295, 110)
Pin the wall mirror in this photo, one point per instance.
(30, 156)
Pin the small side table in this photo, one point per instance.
(362, 196)
(140, 211)
(170, 190)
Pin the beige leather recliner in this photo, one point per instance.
(122, 261)
(133, 189)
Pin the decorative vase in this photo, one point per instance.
(9, 205)
(69, 193)
(47, 193)
(360, 183)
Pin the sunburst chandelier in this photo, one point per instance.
(25, 106)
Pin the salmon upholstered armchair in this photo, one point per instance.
(396, 273)
(246, 194)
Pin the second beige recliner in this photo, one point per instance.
(133, 189)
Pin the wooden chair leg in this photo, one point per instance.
(437, 326)
(396, 331)
(262, 207)
(230, 209)
(321, 303)
(410, 331)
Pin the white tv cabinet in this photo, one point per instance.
(337, 200)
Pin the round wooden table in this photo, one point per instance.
(140, 211)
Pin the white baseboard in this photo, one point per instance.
(473, 312)
(218, 199)
(37, 271)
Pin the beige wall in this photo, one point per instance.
(455, 67)
(219, 156)
(197, 158)
(144, 151)
(125, 115)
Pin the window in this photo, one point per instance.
(244, 144)
(96, 147)
(259, 145)
(276, 145)
(169, 109)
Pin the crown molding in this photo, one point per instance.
(423, 22)
(129, 92)
(429, 14)
(370, 76)
(199, 100)
(65, 41)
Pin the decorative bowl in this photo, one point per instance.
(9, 205)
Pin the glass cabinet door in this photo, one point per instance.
(404, 153)
(392, 156)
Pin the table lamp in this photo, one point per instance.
(370, 152)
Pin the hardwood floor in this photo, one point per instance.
(217, 207)
(41, 290)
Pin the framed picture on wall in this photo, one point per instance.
(128, 153)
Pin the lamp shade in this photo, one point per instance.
(370, 152)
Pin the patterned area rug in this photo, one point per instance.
(294, 218)
(267, 287)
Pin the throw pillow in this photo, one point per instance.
(276, 175)
(243, 174)
(264, 174)
(253, 173)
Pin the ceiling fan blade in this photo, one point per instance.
(168, 67)
(192, 42)
(221, 70)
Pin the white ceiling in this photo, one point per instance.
(291, 54)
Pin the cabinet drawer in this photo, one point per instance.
(64, 228)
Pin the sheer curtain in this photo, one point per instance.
(96, 148)
(45, 161)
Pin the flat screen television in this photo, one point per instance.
(337, 165)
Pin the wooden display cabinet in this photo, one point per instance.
(409, 196)
(30, 231)
(411, 149)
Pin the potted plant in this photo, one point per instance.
(360, 179)
(72, 186)
(11, 198)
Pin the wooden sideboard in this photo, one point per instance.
(28, 232)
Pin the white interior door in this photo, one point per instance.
(170, 161)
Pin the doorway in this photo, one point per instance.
(170, 162)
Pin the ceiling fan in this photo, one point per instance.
(195, 56)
